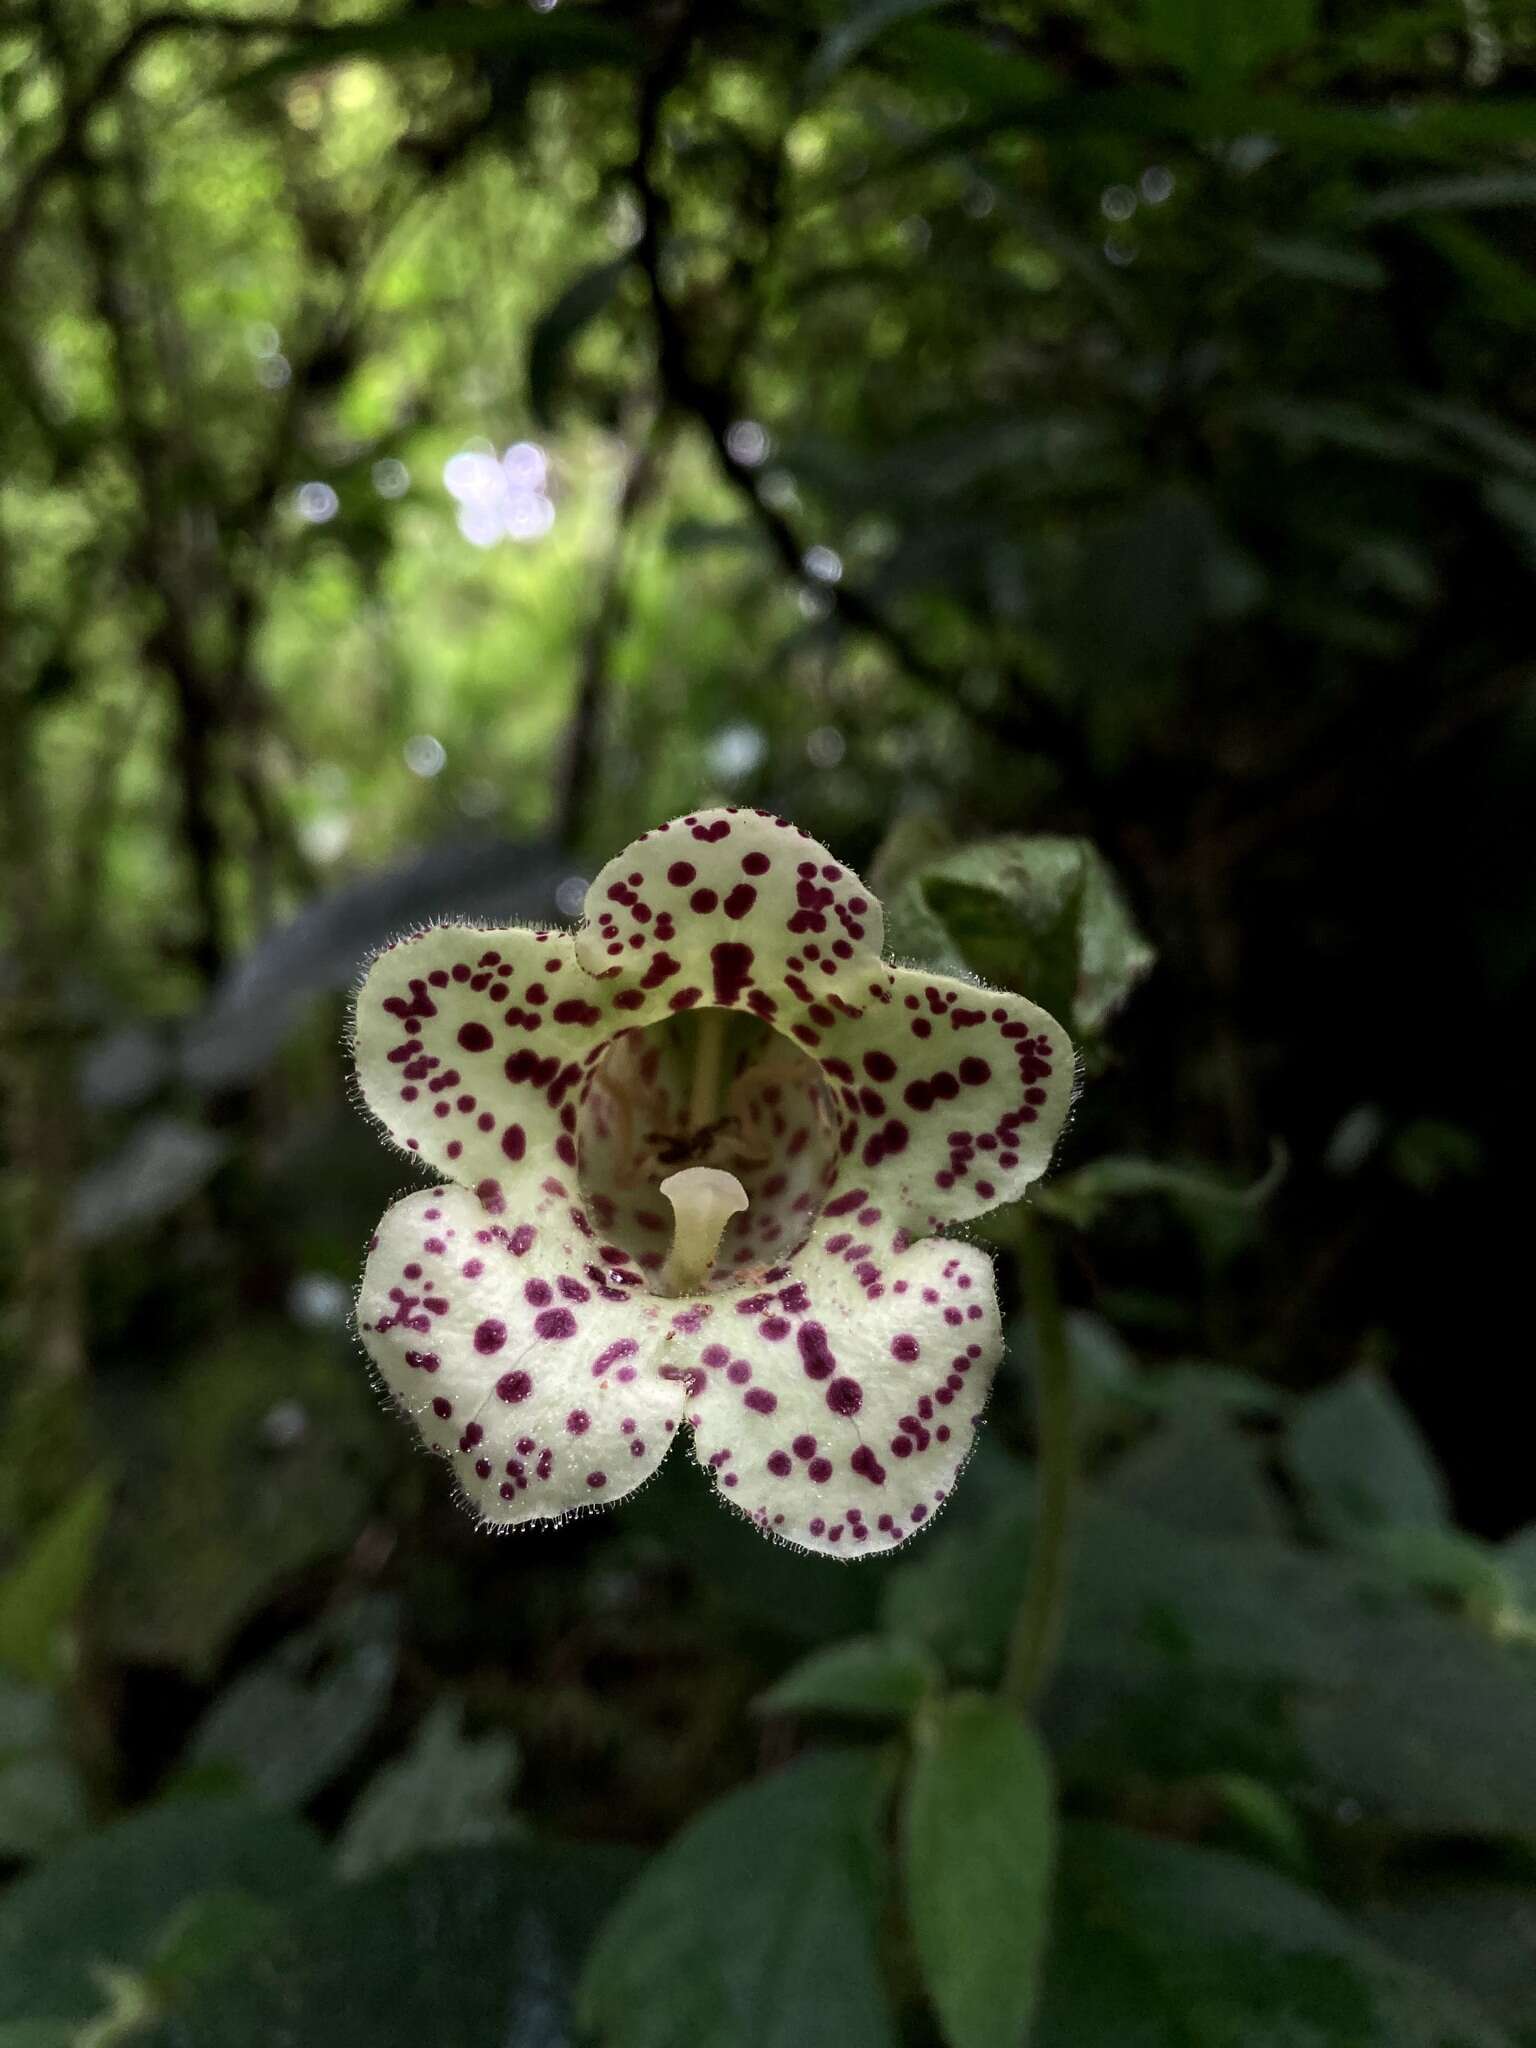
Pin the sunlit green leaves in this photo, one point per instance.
(756, 1927)
(978, 1843)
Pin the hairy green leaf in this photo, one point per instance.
(756, 1927)
(1362, 1461)
(460, 1949)
(448, 1791)
(1171, 1946)
(978, 1842)
(878, 1678)
(292, 1722)
(104, 1904)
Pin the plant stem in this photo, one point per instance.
(708, 1058)
(1037, 1627)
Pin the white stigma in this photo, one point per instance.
(704, 1199)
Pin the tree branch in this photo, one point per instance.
(713, 400)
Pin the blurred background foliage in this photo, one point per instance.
(1078, 460)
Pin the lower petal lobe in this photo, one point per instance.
(525, 1357)
(835, 1404)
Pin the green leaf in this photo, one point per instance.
(1447, 1562)
(42, 1798)
(448, 1791)
(210, 1933)
(162, 1163)
(978, 1843)
(42, 1804)
(856, 31)
(1322, 262)
(103, 1904)
(1222, 42)
(1199, 1473)
(879, 1678)
(1361, 1461)
(1428, 1725)
(1170, 1946)
(1491, 440)
(1265, 1818)
(291, 1723)
(1190, 1384)
(1105, 1374)
(567, 41)
(1471, 192)
(460, 1949)
(242, 1469)
(1517, 1554)
(757, 1926)
(557, 328)
(40, 1593)
(1503, 288)
(1040, 914)
(1515, 504)
(1343, 1679)
(1477, 1935)
(1306, 424)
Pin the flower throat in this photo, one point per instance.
(711, 1089)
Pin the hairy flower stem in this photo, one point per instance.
(1037, 1627)
(708, 1059)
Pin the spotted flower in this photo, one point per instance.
(695, 1154)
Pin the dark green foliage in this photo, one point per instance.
(460, 1949)
(1186, 1948)
(105, 1905)
(758, 1924)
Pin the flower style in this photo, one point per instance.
(722, 1037)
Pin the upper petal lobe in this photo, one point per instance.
(950, 1097)
(735, 908)
(472, 1047)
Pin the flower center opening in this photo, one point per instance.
(711, 1088)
